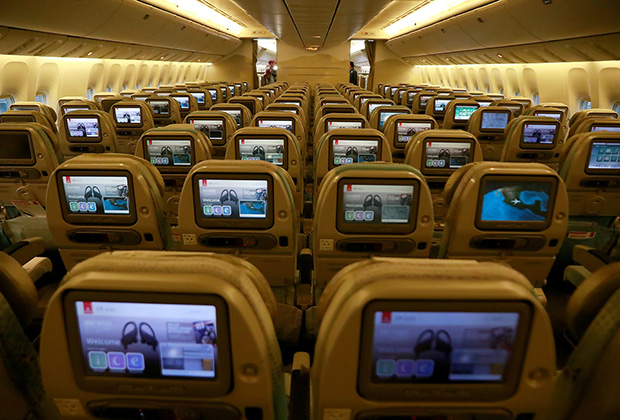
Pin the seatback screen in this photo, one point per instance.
(538, 135)
(83, 127)
(494, 120)
(233, 198)
(392, 90)
(182, 100)
(291, 102)
(88, 195)
(169, 152)
(377, 203)
(345, 152)
(441, 104)
(549, 114)
(235, 113)
(442, 347)
(444, 155)
(332, 125)
(160, 108)
(424, 99)
(214, 129)
(213, 93)
(16, 148)
(66, 109)
(484, 103)
(605, 156)
(200, 97)
(148, 340)
(372, 106)
(128, 115)
(406, 130)
(286, 124)
(602, 127)
(383, 116)
(463, 112)
(269, 150)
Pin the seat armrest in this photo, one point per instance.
(24, 251)
(299, 404)
(38, 267)
(305, 265)
(591, 258)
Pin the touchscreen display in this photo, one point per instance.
(392, 90)
(463, 112)
(406, 130)
(83, 127)
(97, 194)
(556, 115)
(159, 107)
(298, 103)
(539, 134)
(15, 146)
(515, 201)
(287, 125)
(235, 113)
(442, 347)
(377, 203)
(214, 129)
(166, 93)
(611, 128)
(441, 104)
(269, 150)
(66, 109)
(213, 93)
(233, 198)
(410, 96)
(232, 90)
(605, 155)
(484, 103)
(147, 340)
(128, 115)
(372, 106)
(383, 116)
(183, 101)
(169, 152)
(494, 120)
(332, 125)
(354, 151)
(446, 154)
(200, 97)
(424, 99)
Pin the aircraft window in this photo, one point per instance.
(5, 103)
(501, 91)
(41, 97)
(138, 86)
(616, 106)
(90, 93)
(517, 93)
(124, 87)
(488, 89)
(535, 99)
(585, 103)
(108, 88)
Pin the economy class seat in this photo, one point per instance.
(166, 110)
(519, 218)
(287, 120)
(219, 126)
(488, 125)
(419, 339)
(238, 111)
(380, 114)
(517, 108)
(217, 96)
(132, 119)
(77, 105)
(263, 97)
(87, 131)
(406, 98)
(333, 121)
(436, 107)
(458, 113)
(187, 103)
(12, 116)
(296, 109)
(250, 102)
(274, 145)
(163, 335)
(419, 101)
(203, 98)
(334, 108)
(550, 112)
(399, 129)
(484, 100)
(533, 139)
(106, 202)
(587, 125)
(27, 161)
(46, 110)
(65, 99)
(437, 154)
(344, 146)
(107, 102)
(368, 209)
(174, 150)
(361, 99)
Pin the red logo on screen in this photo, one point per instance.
(150, 142)
(336, 142)
(330, 123)
(386, 317)
(88, 307)
(348, 188)
(204, 182)
(430, 144)
(242, 141)
(68, 179)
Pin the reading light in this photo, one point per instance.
(424, 13)
(204, 12)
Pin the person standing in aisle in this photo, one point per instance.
(352, 74)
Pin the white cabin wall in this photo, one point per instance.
(25, 76)
(569, 83)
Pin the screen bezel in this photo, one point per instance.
(439, 99)
(161, 99)
(250, 104)
(378, 228)
(282, 118)
(526, 146)
(494, 130)
(71, 139)
(220, 385)
(591, 171)
(20, 162)
(500, 225)
(444, 171)
(215, 142)
(439, 392)
(604, 125)
(371, 137)
(464, 120)
(189, 101)
(97, 219)
(402, 145)
(354, 119)
(221, 223)
(114, 107)
(171, 169)
(264, 137)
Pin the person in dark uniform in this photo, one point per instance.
(352, 74)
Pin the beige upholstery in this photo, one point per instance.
(528, 249)
(162, 104)
(127, 135)
(78, 105)
(401, 128)
(38, 117)
(328, 121)
(420, 99)
(238, 111)
(589, 113)
(146, 227)
(80, 122)
(335, 377)
(377, 114)
(559, 113)
(334, 248)
(262, 96)
(361, 99)
(453, 120)
(335, 108)
(265, 118)
(203, 105)
(46, 110)
(290, 108)
(219, 130)
(547, 145)
(492, 136)
(371, 104)
(436, 107)
(185, 98)
(219, 97)
(517, 108)
(253, 104)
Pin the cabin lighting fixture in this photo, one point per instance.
(430, 10)
(202, 12)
